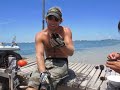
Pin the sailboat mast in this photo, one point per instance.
(43, 14)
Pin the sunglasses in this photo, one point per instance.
(51, 17)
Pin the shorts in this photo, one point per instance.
(57, 67)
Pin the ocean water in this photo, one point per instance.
(93, 52)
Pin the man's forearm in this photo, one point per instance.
(69, 50)
(41, 64)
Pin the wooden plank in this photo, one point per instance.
(97, 85)
(93, 80)
(77, 65)
(70, 64)
(72, 76)
(104, 83)
(82, 68)
(87, 79)
(88, 66)
(27, 70)
(77, 68)
(81, 77)
(29, 64)
(73, 65)
(93, 77)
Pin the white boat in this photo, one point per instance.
(13, 48)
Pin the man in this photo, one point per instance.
(114, 65)
(55, 42)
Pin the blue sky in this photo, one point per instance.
(87, 19)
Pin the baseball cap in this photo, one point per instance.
(55, 11)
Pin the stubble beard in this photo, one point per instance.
(53, 29)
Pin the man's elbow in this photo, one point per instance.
(71, 53)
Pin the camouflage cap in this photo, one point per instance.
(55, 11)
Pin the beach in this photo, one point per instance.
(90, 55)
(94, 55)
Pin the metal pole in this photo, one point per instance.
(43, 14)
(119, 25)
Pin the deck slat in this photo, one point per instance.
(85, 82)
(91, 77)
(94, 79)
(88, 66)
(70, 83)
(82, 68)
(81, 77)
(77, 65)
(96, 86)
(77, 68)
(70, 64)
(74, 64)
(104, 85)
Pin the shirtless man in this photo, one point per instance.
(56, 43)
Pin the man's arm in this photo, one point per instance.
(40, 52)
(115, 65)
(69, 47)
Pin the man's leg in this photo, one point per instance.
(58, 71)
(34, 82)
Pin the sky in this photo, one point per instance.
(87, 19)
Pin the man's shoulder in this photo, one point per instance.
(41, 34)
(66, 29)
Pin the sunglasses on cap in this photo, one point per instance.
(51, 17)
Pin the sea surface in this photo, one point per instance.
(93, 52)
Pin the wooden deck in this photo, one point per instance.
(81, 76)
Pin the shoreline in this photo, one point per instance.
(96, 55)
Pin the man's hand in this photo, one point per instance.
(113, 56)
(44, 77)
(56, 40)
(115, 65)
(44, 80)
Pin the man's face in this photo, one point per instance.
(52, 22)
